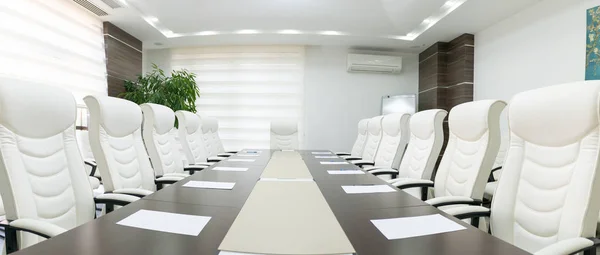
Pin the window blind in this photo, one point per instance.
(246, 88)
(52, 42)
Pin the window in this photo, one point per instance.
(53, 42)
(245, 88)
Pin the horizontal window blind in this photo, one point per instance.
(52, 42)
(246, 88)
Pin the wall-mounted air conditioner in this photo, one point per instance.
(365, 63)
(100, 7)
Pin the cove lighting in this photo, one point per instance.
(247, 32)
(331, 33)
(207, 33)
(289, 32)
(152, 19)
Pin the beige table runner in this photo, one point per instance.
(286, 218)
(286, 165)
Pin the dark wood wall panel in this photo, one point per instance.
(123, 58)
(446, 76)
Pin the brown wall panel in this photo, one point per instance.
(123, 58)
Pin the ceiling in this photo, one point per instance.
(408, 25)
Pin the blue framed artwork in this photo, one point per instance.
(592, 54)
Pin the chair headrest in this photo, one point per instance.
(422, 124)
(160, 117)
(190, 120)
(469, 121)
(546, 116)
(393, 123)
(119, 117)
(284, 127)
(210, 124)
(375, 125)
(36, 111)
(363, 126)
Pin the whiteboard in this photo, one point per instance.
(399, 103)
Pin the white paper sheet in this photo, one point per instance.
(286, 180)
(345, 172)
(334, 163)
(288, 150)
(241, 253)
(326, 157)
(176, 223)
(406, 227)
(252, 151)
(209, 185)
(240, 160)
(247, 155)
(321, 152)
(234, 169)
(360, 189)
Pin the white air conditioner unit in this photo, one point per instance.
(365, 63)
(100, 7)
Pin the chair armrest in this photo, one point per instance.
(207, 164)
(225, 155)
(342, 153)
(194, 168)
(115, 199)
(215, 159)
(169, 179)
(351, 158)
(491, 177)
(452, 200)
(361, 163)
(382, 171)
(134, 192)
(38, 227)
(232, 152)
(94, 182)
(180, 175)
(92, 164)
(468, 212)
(569, 246)
(412, 183)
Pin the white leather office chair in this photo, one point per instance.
(192, 138)
(217, 149)
(548, 197)
(373, 140)
(115, 131)
(424, 146)
(207, 126)
(284, 135)
(474, 139)
(359, 143)
(157, 131)
(43, 183)
(490, 187)
(88, 158)
(393, 143)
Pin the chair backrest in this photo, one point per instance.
(191, 137)
(83, 140)
(207, 136)
(424, 145)
(284, 135)
(41, 172)
(473, 142)
(550, 188)
(210, 127)
(115, 130)
(499, 161)
(160, 142)
(374, 136)
(361, 138)
(393, 140)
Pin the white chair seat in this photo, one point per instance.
(490, 188)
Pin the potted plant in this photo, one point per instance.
(178, 92)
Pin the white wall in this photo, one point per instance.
(335, 100)
(540, 46)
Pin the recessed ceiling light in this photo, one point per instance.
(289, 32)
(247, 31)
(123, 2)
(207, 33)
(331, 33)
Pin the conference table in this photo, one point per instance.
(353, 212)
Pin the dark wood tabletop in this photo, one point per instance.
(353, 212)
